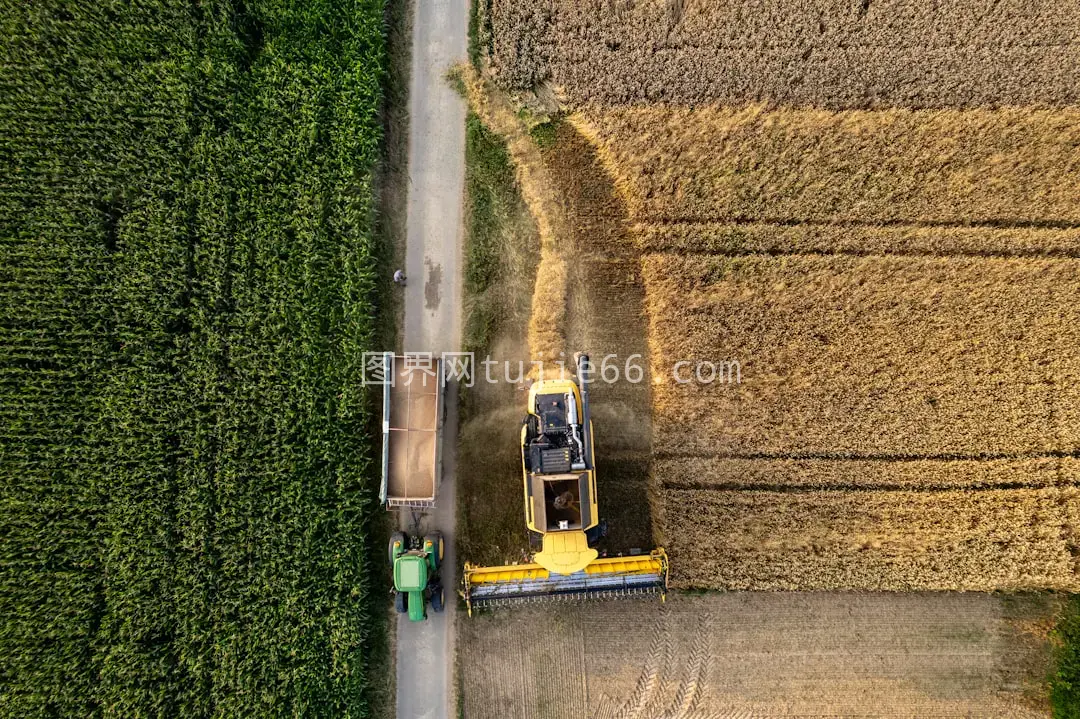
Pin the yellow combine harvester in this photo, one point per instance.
(561, 510)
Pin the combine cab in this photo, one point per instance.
(561, 512)
(560, 484)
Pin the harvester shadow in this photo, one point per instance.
(606, 317)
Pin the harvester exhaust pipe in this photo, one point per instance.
(583, 368)
(572, 419)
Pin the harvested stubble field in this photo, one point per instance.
(605, 303)
(724, 656)
(826, 53)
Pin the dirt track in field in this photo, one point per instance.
(595, 307)
(724, 656)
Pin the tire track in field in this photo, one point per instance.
(697, 672)
(524, 680)
(655, 662)
(649, 700)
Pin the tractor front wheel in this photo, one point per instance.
(437, 598)
(401, 602)
(399, 544)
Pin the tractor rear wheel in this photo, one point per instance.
(437, 598)
(401, 602)
(397, 539)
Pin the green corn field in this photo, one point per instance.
(186, 279)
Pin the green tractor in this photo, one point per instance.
(416, 574)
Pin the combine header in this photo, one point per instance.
(606, 577)
(561, 511)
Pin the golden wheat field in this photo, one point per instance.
(902, 421)
(899, 289)
(1004, 167)
(719, 238)
(825, 53)
(873, 209)
(891, 540)
(892, 356)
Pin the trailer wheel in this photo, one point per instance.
(437, 598)
(401, 602)
(436, 541)
(398, 543)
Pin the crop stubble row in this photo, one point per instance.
(830, 53)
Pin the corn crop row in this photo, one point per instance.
(187, 490)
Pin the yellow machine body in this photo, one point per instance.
(561, 512)
(605, 577)
(564, 544)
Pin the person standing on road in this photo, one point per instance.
(399, 278)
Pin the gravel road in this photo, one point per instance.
(425, 650)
